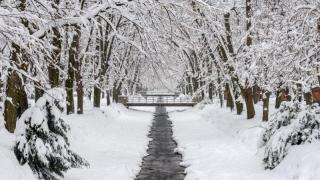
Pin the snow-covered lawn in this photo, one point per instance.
(113, 139)
(217, 144)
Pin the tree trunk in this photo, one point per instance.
(16, 98)
(236, 94)
(249, 15)
(265, 114)
(190, 85)
(80, 98)
(210, 91)
(239, 107)
(70, 100)
(16, 101)
(220, 98)
(53, 71)
(247, 96)
(195, 84)
(108, 98)
(38, 93)
(308, 98)
(114, 95)
(116, 92)
(73, 57)
(299, 93)
(278, 99)
(239, 104)
(96, 96)
(1, 87)
(318, 40)
(78, 76)
(256, 96)
(229, 98)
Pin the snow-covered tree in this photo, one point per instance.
(291, 125)
(42, 138)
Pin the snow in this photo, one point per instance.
(302, 162)
(113, 139)
(9, 166)
(217, 144)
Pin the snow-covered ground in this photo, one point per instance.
(217, 144)
(9, 166)
(113, 139)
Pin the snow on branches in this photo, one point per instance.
(293, 124)
(42, 138)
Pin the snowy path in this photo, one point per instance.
(162, 163)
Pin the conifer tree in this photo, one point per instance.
(42, 138)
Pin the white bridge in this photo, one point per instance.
(158, 99)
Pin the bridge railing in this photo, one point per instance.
(159, 93)
(162, 100)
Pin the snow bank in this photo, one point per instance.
(113, 139)
(114, 142)
(9, 166)
(217, 144)
(301, 163)
(293, 124)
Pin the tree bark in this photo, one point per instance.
(80, 98)
(318, 40)
(308, 98)
(239, 104)
(247, 91)
(265, 113)
(210, 91)
(73, 57)
(249, 15)
(278, 99)
(116, 92)
(229, 98)
(78, 75)
(256, 97)
(220, 97)
(16, 98)
(96, 96)
(239, 107)
(80, 94)
(53, 71)
(38, 93)
(247, 96)
(108, 98)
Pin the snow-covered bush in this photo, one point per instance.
(291, 125)
(42, 138)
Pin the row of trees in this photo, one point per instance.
(94, 48)
(240, 51)
(243, 51)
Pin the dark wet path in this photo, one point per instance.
(161, 163)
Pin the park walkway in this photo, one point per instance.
(161, 163)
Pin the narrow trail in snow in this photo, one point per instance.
(161, 163)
